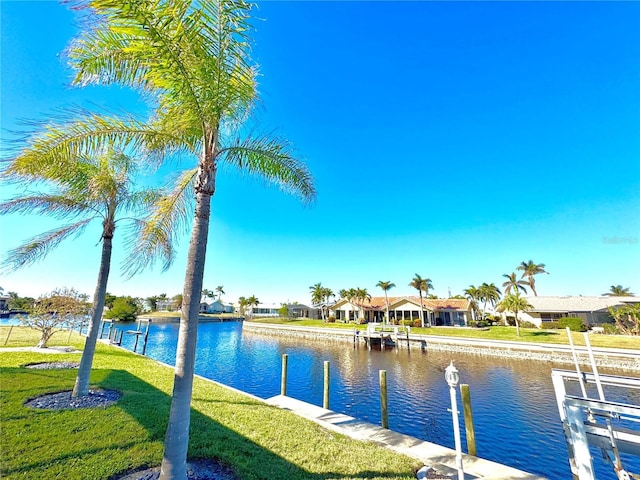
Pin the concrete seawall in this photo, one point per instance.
(544, 352)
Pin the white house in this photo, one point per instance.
(263, 310)
(592, 310)
(216, 306)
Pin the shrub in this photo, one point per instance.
(526, 324)
(575, 324)
(479, 323)
(331, 319)
(610, 329)
(417, 323)
(550, 325)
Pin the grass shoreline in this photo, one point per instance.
(256, 440)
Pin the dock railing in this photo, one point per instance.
(589, 421)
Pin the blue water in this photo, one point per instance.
(515, 414)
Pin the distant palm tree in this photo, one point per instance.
(242, 304)
(386, 286)
(515, 303)
(317, 297)
(220, 291)
(512, 282)
(91, 188)
(252, 301)
(529, 269)
(422, 285)
(618, 291)
(361, 296)
(489, 293)
(206, 293)
(474, 295)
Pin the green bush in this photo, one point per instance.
(526, 324)
(610, 328)
(550, 325)
(479, 323)
(331, 319)
(575, 324)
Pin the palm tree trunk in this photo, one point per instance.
(81, 386)
(386, 301)
(517, 324)
(174, 461)
(532, 284)
(421, 310)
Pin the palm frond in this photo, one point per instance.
(59, 206)
(39, 246)
(155, 236)
(55, 147)
(272, 159)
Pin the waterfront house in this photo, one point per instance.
(299, 310)
(592, 310)
(437, 312)
(166, 305)
(215, 306)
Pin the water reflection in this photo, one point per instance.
(516, 417)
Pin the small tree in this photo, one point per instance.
(56, 311)
(124, 309)
(627, 318)
(513, 302)
(283, 311)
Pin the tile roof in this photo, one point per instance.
(378, 303)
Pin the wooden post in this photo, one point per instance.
(383, 399)
(283, 384)
(9, 334)
(325, 398)
(102, 329)
(468, 419)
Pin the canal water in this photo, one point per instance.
(515, 414)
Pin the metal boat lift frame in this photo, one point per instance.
(587, 421)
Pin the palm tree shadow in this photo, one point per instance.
(209, 439)
(543, 333)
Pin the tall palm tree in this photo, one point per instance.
(618, 291)
(220, 291)
(529, 269)
(192, 59)
(80, 189)
(512, 283)
(386, 286)
(489, 293)
(422, 285)
(513, 302)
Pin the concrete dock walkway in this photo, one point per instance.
(440, 458)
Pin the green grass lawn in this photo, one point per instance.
(533, 335)
(256, 440)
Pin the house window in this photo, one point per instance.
(550, 317)
(351, 316)
(415, 314)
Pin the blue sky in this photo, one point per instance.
(449, 139)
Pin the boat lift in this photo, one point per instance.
(597, 422)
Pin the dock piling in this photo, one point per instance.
(325, 398)
(283, 384)
(384, 411)
(468, 419)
